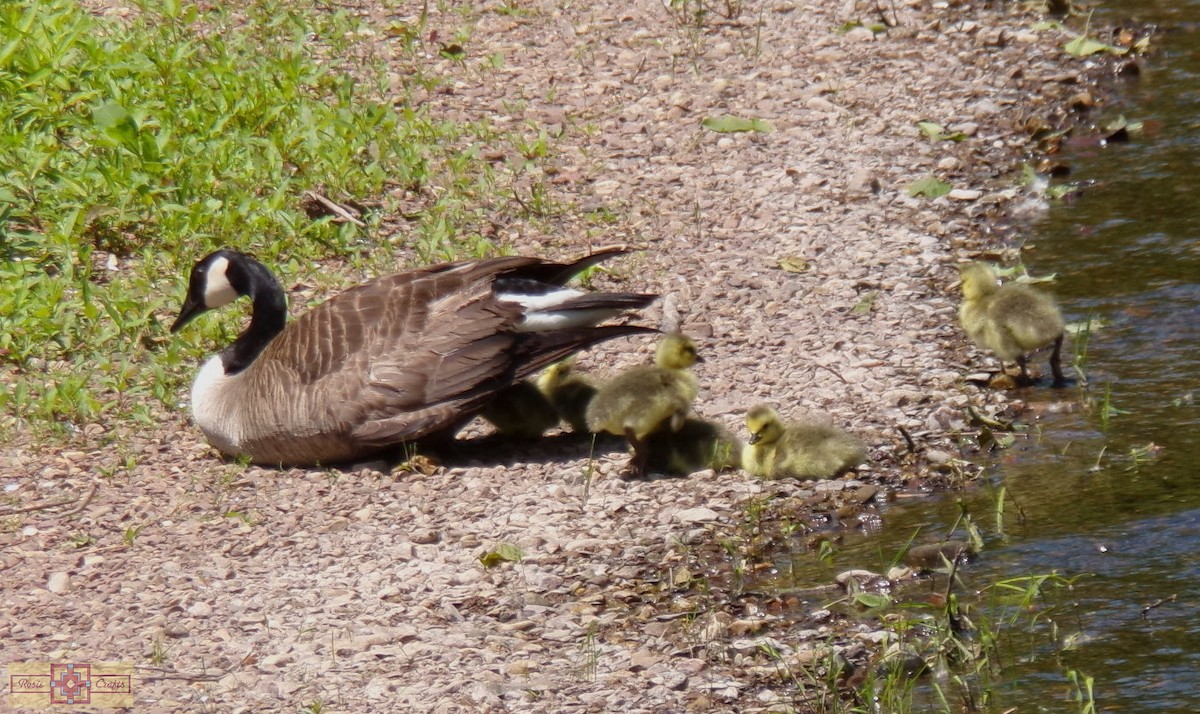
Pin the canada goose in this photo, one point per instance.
(397, 359)
(801, 450)
(1011, 319)
(639, 401)
(521, 411)
(697, 445)
(569, 391)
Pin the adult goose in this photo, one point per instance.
(397, 359)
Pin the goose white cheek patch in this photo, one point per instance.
(218, 291)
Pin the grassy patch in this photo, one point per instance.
(129, 147)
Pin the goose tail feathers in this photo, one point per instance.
(566, 309)
(560, 273)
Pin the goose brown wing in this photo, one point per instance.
(411, 354)
(393, 334)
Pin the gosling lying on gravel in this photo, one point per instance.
(569, 391)
(1011, 319)
(521, 411)
(644, 399)
(697, 445)
(808, 450)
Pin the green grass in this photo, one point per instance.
(130, 147)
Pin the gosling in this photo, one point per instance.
(521, 411)
(1010, 320)
(644, 399)
(697, 445)
(569, 391)
(802, 450)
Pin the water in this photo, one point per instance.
(1127, 252)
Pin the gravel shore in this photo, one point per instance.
(809, 276)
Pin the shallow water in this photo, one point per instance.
(1127, 252)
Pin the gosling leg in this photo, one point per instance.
(1023, 379)
(640, 460)
(1056, 363)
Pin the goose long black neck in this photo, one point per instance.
(268, 315)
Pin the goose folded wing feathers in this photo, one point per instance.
(427, 368)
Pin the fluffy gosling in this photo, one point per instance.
(638, 402)
(569, 391)
(807, 450)
(697, 445)
(1010, 320)
(521, 411)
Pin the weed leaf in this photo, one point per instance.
(504, 552)
(1084, 46)
(793, 264)
(115, 122)
(929, 187)
(731, 124)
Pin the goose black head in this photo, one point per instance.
(217, 280)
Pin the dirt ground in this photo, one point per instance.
(811, 278)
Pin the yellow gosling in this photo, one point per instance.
(801, 450)
(1010, 320)
(697, 445)
(643, 399)
(569, 391)
(521, 411)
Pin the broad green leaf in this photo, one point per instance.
(930, 187)
(793, 264)
(1084, 46)
(933, 130)
(936, 132)
(1062, 190)
(501, 553)
(115, 122)
(866, 304)
(730, 124)
(871, 600)
(1047, 25)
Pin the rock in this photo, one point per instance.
(937, 456)
(643, 659)
(379, 688)
(697, 515)
(541, 580)
(853, 581)
(277, 660)
(864, 494)
(935, 555)
(424, 536)
(902, 660)
(860, 34)
(671, 680)
(199, 609)
(58, 583)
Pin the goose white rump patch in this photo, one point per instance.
(542, 313)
